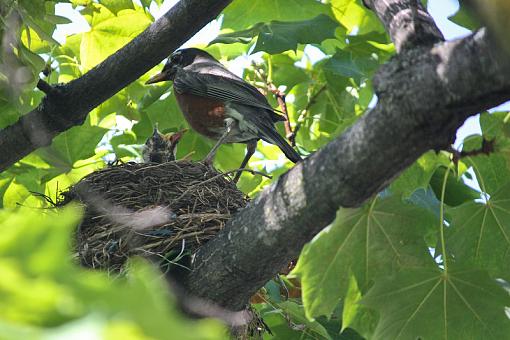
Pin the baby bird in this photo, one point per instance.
(161, 148)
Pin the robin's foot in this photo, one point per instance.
(236, 177)
(208, 161)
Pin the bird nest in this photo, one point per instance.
(158, 211)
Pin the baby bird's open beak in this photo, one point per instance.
(177, 136)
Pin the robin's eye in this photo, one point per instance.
(176, 59)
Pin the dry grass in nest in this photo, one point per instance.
(157, 211)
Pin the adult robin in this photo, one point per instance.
(220, 105)
(161, 148)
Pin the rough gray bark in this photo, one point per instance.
(407, 22)
(425, 94)
(68, 105)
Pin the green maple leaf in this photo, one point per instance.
(491, 169)
(353, 15)
(480, 232)
(418, 175)
(245, 13)
(378, 239)
(433, 304)
(109, 32)
(279, 36)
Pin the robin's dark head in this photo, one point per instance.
(180, 59)
(160, 148)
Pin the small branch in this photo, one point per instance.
(280, 97)
(414, 13)
(45, 87)
(486, 149)
(45, 197)
(253, 172)
(414, 8)
(306, 110)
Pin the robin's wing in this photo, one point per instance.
(266, 131)
(224, 89)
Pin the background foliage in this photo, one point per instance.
(427, 257)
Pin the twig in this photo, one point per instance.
(414, 9)
(165, 260)
(188, 156)
(280, 97)
(47, 198)
(304, 112)
(45, 87)
(414, 14)
(254, 172)
(486, 149)
(284, 286)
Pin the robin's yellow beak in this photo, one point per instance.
(163, 76)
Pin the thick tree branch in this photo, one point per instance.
(407, 21)
(424, 96)
(69, 104)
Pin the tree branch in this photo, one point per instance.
(425, 95)
(68, 105)
(407, 21)
(45, 87)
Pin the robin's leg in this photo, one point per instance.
(251, 146)
(229, 126)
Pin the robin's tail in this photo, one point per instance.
(270, 135)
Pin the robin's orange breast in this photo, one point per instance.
(204, 115)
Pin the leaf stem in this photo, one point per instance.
(441, 220)
(478, 176)
(269, 69)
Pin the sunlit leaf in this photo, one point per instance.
(278, 36)
(117, 5)
(72, 145)
(41, 287)
(109, 32)
(356, 315)
(355, 17)
(245, 13)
